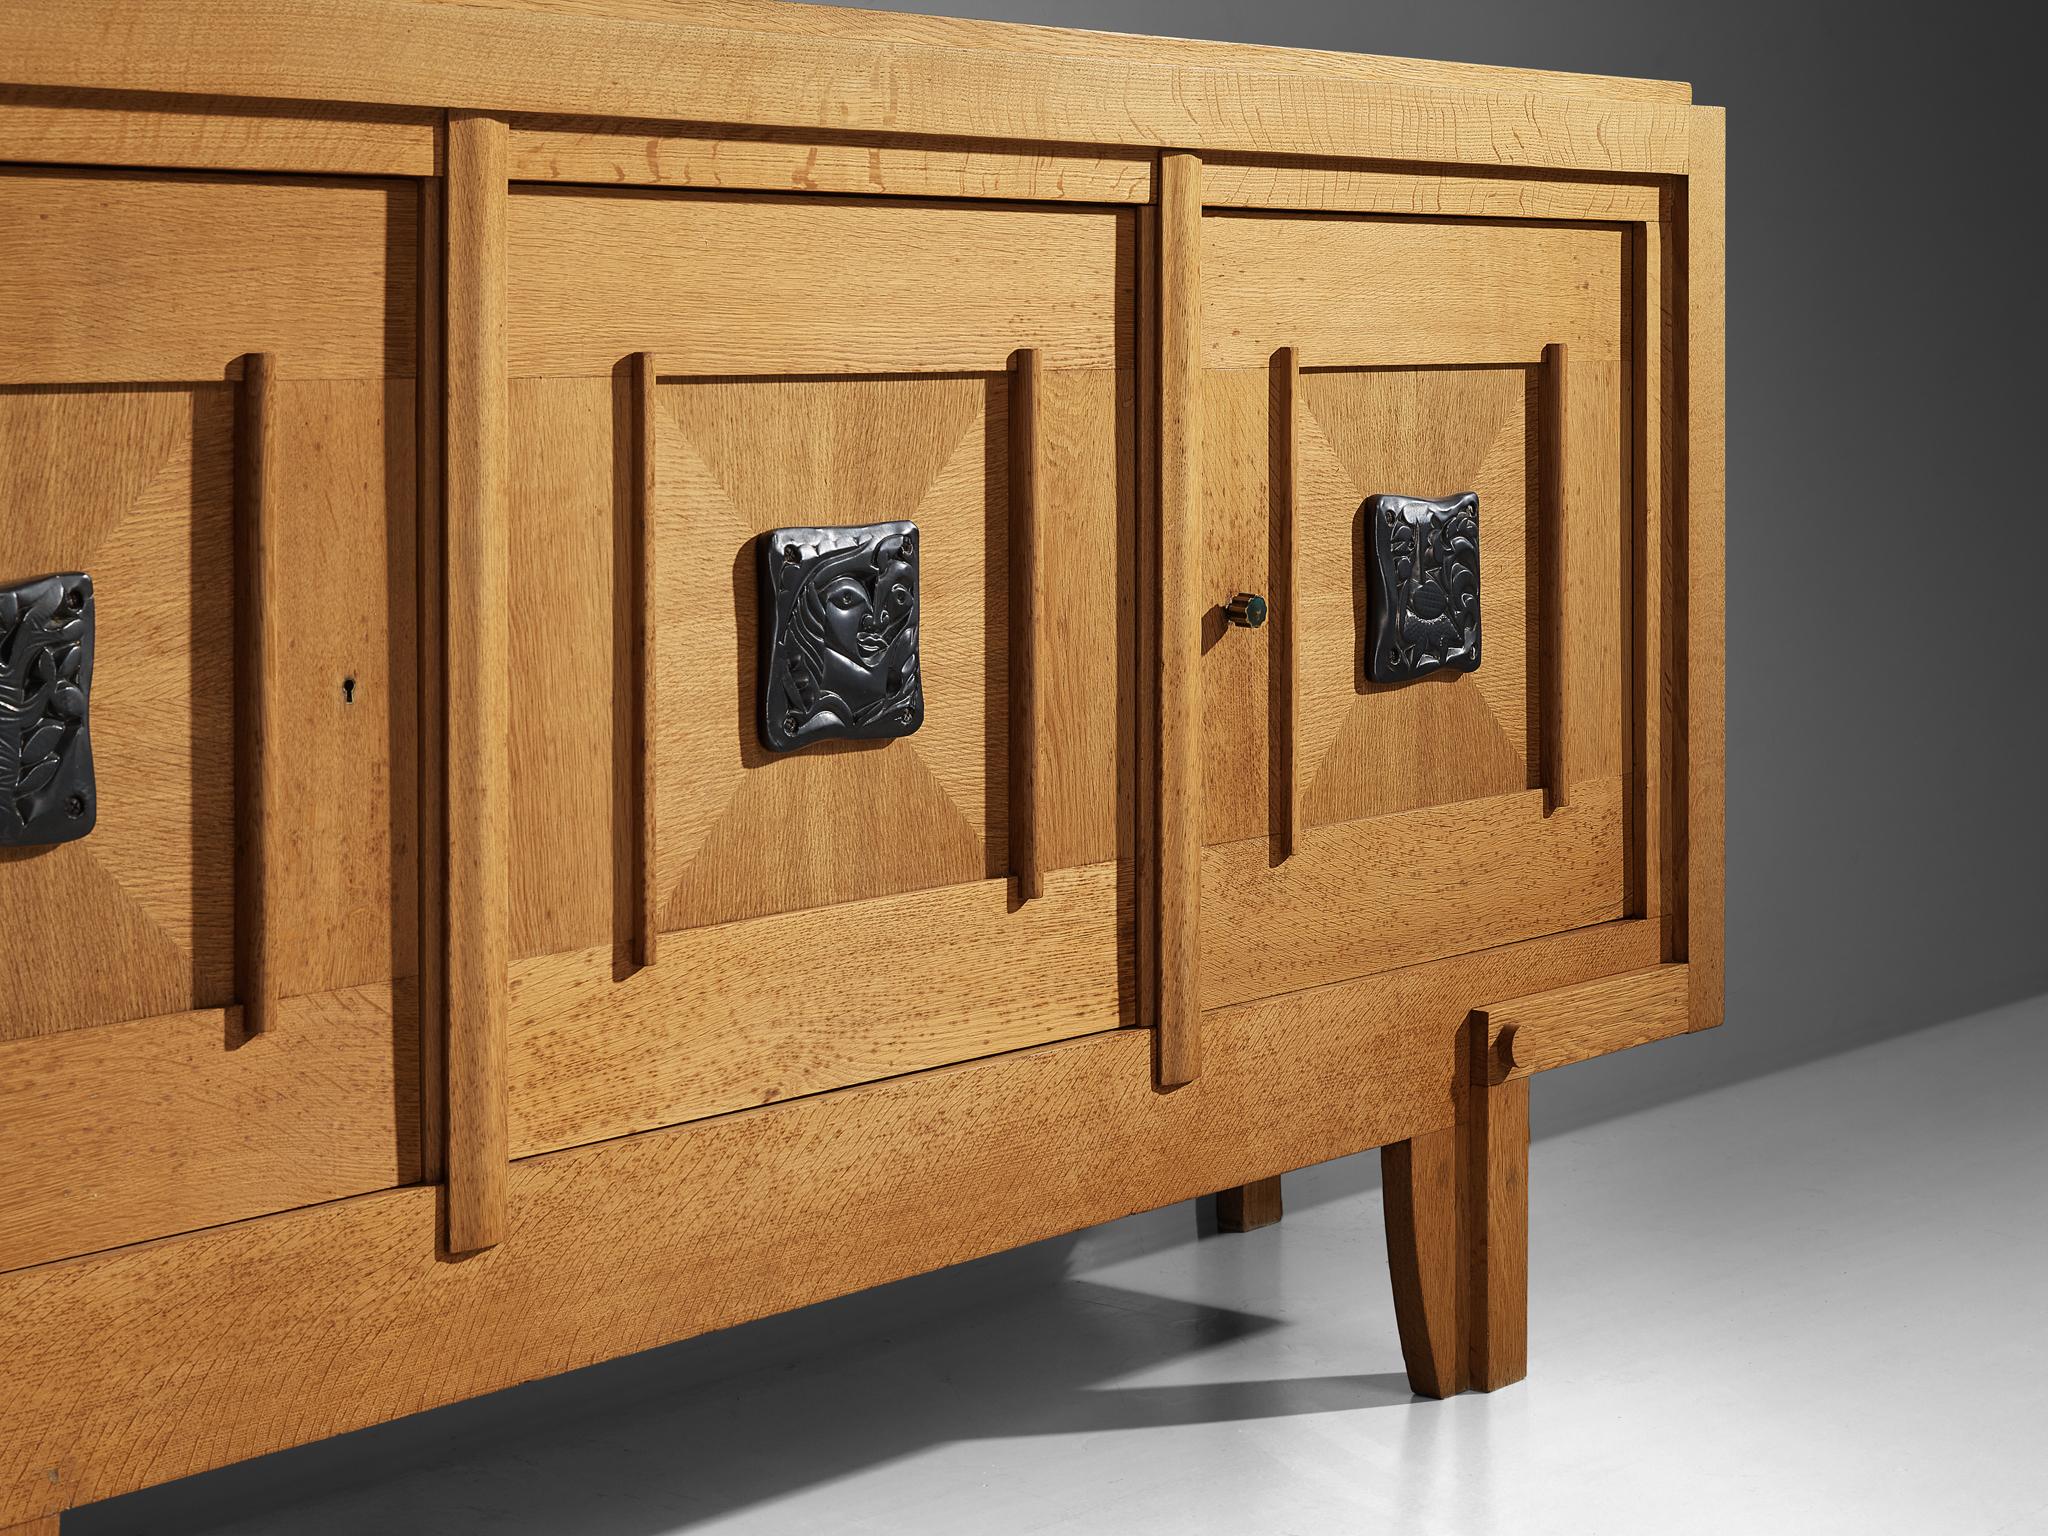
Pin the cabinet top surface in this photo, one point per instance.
(823, 68)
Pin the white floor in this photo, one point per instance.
(1815, 1302)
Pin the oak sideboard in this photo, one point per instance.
(664, 658)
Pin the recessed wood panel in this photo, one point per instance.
(122, 277)
(135, 486)
(163, 1125)
(1385, 292)
(750, 285)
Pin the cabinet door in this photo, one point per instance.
(845, 909)
(1354, 358)
(132, 1103)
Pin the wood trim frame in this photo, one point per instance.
(505, 59)
(305, 1324)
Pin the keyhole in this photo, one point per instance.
(348, 690)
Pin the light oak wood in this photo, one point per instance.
(1420, 1179)
(202, 270)
(1339, 188)
(1027, 374)
(1182, 607)
(1248, 1207)
(853, 286)
(1706, 605)
(646, 661)
(763, 160)
(824, 22)
(1654, 570)
(1286, 538)
(156, 1361)
(137, 487)
(259, 829)
(61, 127)
(478, 687)
(1443, 293)
(506, 632)
(1554, 1029)
(157, 1126)
(1560, 641)
(431, 712)
(727, 1020)
(47, 1526)
(1494, 1217)
(509, 60)
(1343, 905)
(1363, 749)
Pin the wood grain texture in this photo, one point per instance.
(1442, 293)
(478, 684)
(63, 127)
(1011, 37)
(512, 60)
(801, 285)
(153, 1362)
(1288, 780)
(259, 638)
(1344, 905)
(727, 1020)
(1494, 1214)
(1248, 1207)
(1706, 606)
(1026, 622)
(1652, 576)
(157, 1126)
(431, 707)
(1422, 191)
(873, 164)
(1419, 1188)
(646, 661)
(1554, 1029)
(1555, 515)
(1182, 606)
(47, 1526)
(201, 270)
(137, 486)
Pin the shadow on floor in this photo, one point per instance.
(662, 1441)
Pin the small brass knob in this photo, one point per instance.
(1247, 610)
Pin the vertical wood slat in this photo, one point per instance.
(1552, 449)
(1706, 580)
(433, 766)
(1286, 579)
(1138, 789)
(1648, 574)
(1180, 607)
(258, 810)
(648, 918)
(478, 687)
(1027, 682)
(1494, 1212)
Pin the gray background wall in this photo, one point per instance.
(1887, 838)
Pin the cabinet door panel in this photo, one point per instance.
(1429, 822)
(842, 911)
(131, 1106)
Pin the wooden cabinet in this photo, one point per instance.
(677, 718)
(1353, 826)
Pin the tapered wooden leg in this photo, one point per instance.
(1419, 1182)
(1457, 1203)
(1249, 1206)
(1496, 1212)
